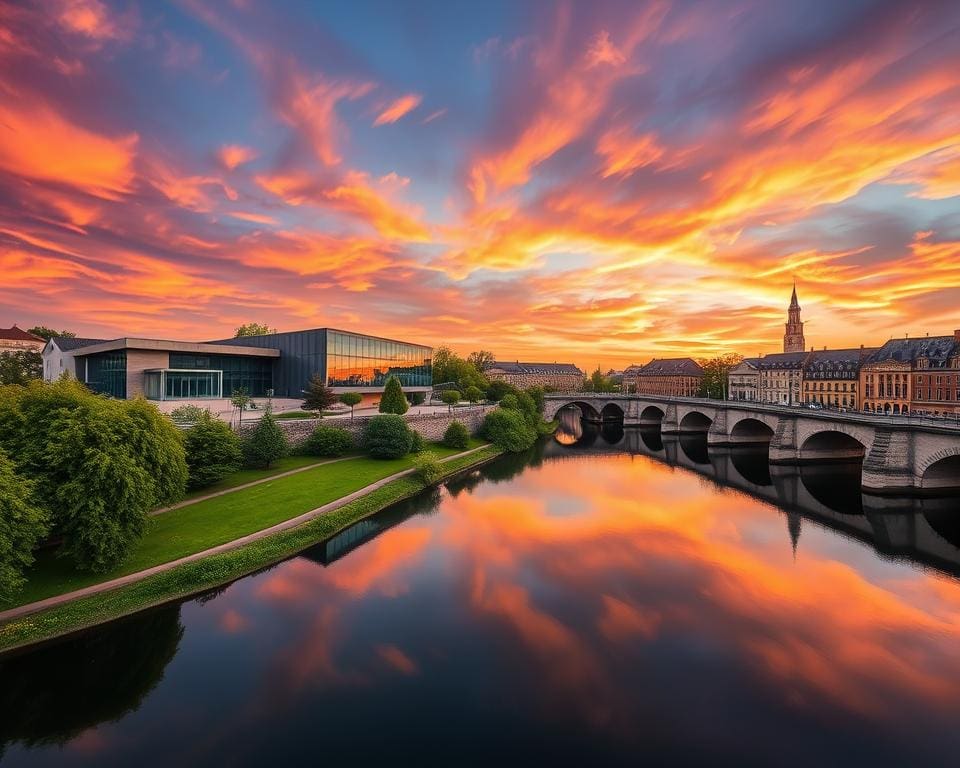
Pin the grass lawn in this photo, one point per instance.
(245, 476)
(206, 524)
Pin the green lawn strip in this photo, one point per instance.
(215, 570)
(245, 476)
(204, 524)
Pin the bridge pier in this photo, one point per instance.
(888, 466)
(783, 446)
(670, 424)
(718, 434)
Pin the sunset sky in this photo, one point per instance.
(589, 182)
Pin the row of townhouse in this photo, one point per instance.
(904, 376)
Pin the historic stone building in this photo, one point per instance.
(780, 377)
(16, 339)
(676, 377)
(908, 376)
(793, 339)
(831, 377)
(743, 380)
(936, 377)
(560, 377)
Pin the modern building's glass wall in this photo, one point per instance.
(107, 373)
(165, 384)
(364, 361)
(253, 373)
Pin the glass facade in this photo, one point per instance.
(107, 373)
(363, 361)
(182, 385)
(253, 373)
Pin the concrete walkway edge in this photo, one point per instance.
(293, 522)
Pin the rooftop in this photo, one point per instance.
(165, 345)
(677, 366)
(935, 348)
(15, 333)
(537, 368)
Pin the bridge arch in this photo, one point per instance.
(695, 421)
(832, 445)
(750, 430)
(587, 410)
(651, 416)
(942, 471)
(611, 412)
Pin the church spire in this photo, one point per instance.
(793, 339)
(794, 304)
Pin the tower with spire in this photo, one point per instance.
(793, 340)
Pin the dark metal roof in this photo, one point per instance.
(782, 361)
(68, 343)
(677, 366)
(18, 334)
(935, 348)
(837, 359)
(537, 368)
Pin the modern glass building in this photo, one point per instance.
(280, 364)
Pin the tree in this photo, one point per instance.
(253, 329)
(599, 383)
(507, 429)
(429, 468)
(329, 441)
(266, 442)
(387, 436)
(352, 399)
(239, 400)
(20, 367)
(393, 400)
(318, 396)
(481, 359)
(715, 371)
(450, 368)
(48, 333)
(22, 526)
(451, 397)
(473, 394)
(537, 394)
(99, 464)
(213, 451)
(497, 390)
(456, 436)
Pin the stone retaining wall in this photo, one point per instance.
(431, 426)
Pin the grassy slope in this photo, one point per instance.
(206, 524)
(245, 476)
(215, 570)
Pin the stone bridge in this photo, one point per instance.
(899, 454)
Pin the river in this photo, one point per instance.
(610, 598)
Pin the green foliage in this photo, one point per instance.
(481, 359)
(329, 441)
(451, 397)
(599, 383)
(510, 401)
(393, 400)
(352, 399)
(22, 526)
(187, 415)
(48, 333)
(266, 442)
(428, 467)
(388, 437)
(417, 398)
(318, 396)
(497, 390)
(253, 329)
(537, 394)
(450, 368)
(213, 451)
(715, 371)
(240, 399)
(417, 443)
(99, 464)
(473, 394)
(507, 429)
(20, 367)
(456, 436)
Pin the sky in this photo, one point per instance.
(589, 182)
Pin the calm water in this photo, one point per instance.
(611, 598)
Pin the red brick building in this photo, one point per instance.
(676, 377)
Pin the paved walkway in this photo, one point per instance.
(293, 522)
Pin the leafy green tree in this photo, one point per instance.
(497, 390)
(240, 399)
(417, 398)
(456, 436)
(450, 368)
(99, 464)
(451, 397)
(253, 329)
(187, 414)
(20, 367)
(481, 359)
(508, 429)
(598, 382)
(510, 401)
(213, 451)
(387, 436)
(473, 394)
(266, 442)
(393, 400)
(318, 397)
(352, 399)
(428, 466)
(329, 441)
(715, 371)
(22, 526)
(417, 444)
(48, 333)
(537, 393)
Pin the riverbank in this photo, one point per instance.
(223, 563)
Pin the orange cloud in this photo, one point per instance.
(397, 109)
(397, 659)
(233, 155)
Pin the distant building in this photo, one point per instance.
(909, 376)
(561, 377)
(278, 363)
(674, 377)
(793, 339)
(16, 339)
(831, 377)
(780, 377)
(743, 380)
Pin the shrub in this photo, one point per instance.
(417, 444)
(266, 442)
(528, 408)
(318, 396)
(352, 399)
(537, 393)
(498, 389)
(508, 430)
(451, 397)
(456, 436)
(22, 525)
(213, 451)
(393, 399)
(511, 402)
(428, 466)
(329, 441)
(417, 398)
(388, 437)
(473, 394)
(99, 465)
(185, 415)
